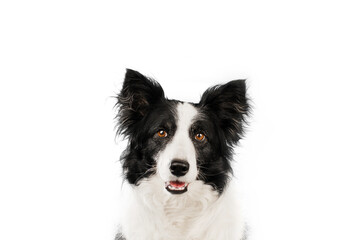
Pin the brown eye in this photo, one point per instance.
(162, 133)
(200, 137)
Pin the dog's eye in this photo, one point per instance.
(200, 137)
(162, 133)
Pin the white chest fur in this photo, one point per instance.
(151, 213)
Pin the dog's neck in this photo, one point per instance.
(165, 215)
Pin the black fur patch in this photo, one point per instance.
(119, 236)
(224, 109)
(142, 111)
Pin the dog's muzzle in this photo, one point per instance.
(178, 168)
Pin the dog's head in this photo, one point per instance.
(180, 142)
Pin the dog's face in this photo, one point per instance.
(180, 142)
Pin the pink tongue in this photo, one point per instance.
(177, 184)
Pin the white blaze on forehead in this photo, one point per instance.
(186, 114)
(184, 148)
(181, 146)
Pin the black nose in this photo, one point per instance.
(179, 167)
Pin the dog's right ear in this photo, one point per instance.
(135, 99)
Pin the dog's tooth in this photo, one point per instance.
(175, 188)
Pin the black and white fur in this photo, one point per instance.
(178, 184)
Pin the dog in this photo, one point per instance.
(177, 163)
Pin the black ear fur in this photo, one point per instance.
(135, 100)
(230, 107)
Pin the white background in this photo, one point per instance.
(61, 62)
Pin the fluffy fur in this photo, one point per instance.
(178, 161)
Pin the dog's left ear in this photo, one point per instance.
(230, 107)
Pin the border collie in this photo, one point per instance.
(177, 164)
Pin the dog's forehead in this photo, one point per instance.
(186, 114)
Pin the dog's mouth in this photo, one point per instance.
(176, 187)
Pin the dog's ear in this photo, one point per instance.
(229, 105)
(135, 100)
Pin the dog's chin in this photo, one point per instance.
(176, 187)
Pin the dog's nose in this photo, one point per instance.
(179, 167)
